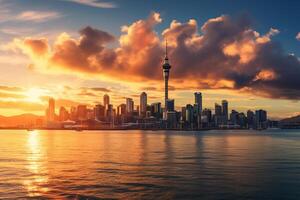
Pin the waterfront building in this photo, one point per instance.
(143, 104)
(105, 100)
(155, 110)
(198, 101)
(171, 119)
(225, 111)
(261, 119)
(81, 112)
(99, 112)
(63, 114)
(218, 117)
(51, 110)
(189, 115)
(170, 105)
(250, 119)
(129, 105)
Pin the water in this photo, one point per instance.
(150, 165)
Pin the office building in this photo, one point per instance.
(129, 105)
(170, 105)
(261, 119)
(51, 110)
(63, 114)
(198, 101)
(225, 111)
(81, 112)
(143, 104)
(99, 112)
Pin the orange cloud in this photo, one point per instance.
(224, 53)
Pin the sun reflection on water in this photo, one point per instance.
(35, 184)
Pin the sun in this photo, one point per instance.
(35, 94)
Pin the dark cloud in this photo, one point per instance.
(224, 53)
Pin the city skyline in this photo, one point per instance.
(39, 63)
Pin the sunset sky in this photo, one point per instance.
(247, 52)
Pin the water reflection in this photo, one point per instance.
(37, 179)
(149, 165)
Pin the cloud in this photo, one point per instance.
(11, 95)
(94, 3)
(100, 89)
(10, 88)
(224, 53)
(298, 36)
(37, 16)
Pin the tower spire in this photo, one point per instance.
(166, 49)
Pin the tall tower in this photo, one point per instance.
(166, 71)
(143, 104)
(51, 110)
(105, 100)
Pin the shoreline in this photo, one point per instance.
(130, 129)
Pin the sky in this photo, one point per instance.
(246, 52)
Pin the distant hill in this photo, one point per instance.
(20, 120)
(295, 119)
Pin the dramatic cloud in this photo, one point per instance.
(224, 53)
(94, 3)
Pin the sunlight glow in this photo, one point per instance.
(35, 94)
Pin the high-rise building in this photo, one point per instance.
(166, 71)
(105, 100)
(129, 105)
(218, 110)
(155, 109)
(143, 104)
(218, 117)
(250, 119)
(110, 113)
(121, 110)
(99, 112)
(63, 114)
(183, 114)
(51, 110)
(234, 117)
(206, 118)
(170, 105)
(73, 113)
(261, 119)
(171, 119)
(81, 112)
(225, 111)
(198, 101)
(189, 114)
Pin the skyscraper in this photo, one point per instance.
(170, 105)
(225, 111)
(198, 101)
(63, 114)
(143, 104)
(81, 112)
(166, 71)
(261, 119)
(218, 115)
(99, 112)
(51, 110)
(189, 114)
(105, 100)
(129, 105)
